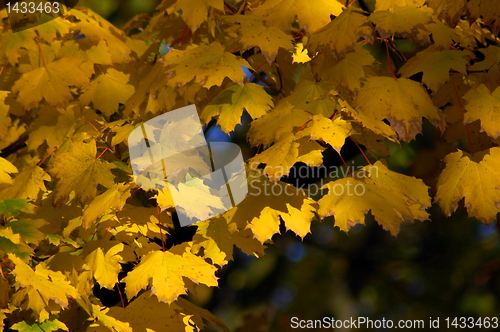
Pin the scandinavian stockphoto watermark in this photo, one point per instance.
(325, 174)
(204, 179)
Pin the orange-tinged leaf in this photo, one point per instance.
(401, 101)
(108, 90)
(310, 15)
(50, 82)
(42, 285)
(209, 65)
(484, 106)
(79, 171)
(105, 267)
(230, 104)
(164, 270)
(475, 179)
(391, 197)
(435, 65)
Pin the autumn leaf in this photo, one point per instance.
(208, 65)
(105, 267)
(475, 178)
(5, 119)
(27, 184)
(218, 240)
(48, 325)
(333, 132)
(280, 157)
(107, 91)
(390, 197)
(194, 12)
(80, 171)
(310, 15)
(400, 20)
(164, 270)
(484, 106)
(230, 104)
(254, 33)
(283, 119)
(401, 101)
(341, 34)
(50, 82)
(112, 199)
(435, 65)
(6, 168)
(42, 285)
(266, 203)
(349, 71)
(389, 4)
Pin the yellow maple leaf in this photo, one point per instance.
(401, 101)
(195, 12)
(391, 197)
(6, 167)
(27, 184)
(42, 285)
(475, 178)
(51, 82)
(5, 120)
(100, 314)
(313, 97)
(230, 103)
(80, 171)
(254, 33)
(389, 4)
(349, 71)
(310, 15)
(435, 65)
(289, 150)
(108, 90)
(266, 202)
(400, 20)
(165, 270)
(105, 267)
(112, 199)
(283, 119)
(12, 42)
(333, 132)
(209, 65)
(484, 106)
(217, 239)
(340, 35)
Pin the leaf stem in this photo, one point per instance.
(360, 149)
(389, 59)
(463, 115)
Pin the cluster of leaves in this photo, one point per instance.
(73, 88)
